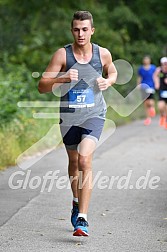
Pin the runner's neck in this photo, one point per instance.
(147, 66)
(83, 54)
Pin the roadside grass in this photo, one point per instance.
(23, 132)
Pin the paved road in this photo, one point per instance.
(125, 213)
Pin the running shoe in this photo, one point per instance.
(152, 112)
(147, 121)
(81, 227)
(74, 213)
(165, 126)
(162, 121)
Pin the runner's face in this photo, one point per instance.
(82, 32)
(164, 67)
(146, 61)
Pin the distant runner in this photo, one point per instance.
(160, 78)
(145, 76)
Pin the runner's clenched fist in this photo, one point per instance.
(72, 74)
(103, 83)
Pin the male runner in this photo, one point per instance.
(160, 78)
(82, 107)
(145, 76)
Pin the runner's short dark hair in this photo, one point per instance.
(82, 15)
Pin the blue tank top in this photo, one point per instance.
(82, 100)
(147, 75)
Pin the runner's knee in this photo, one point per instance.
(84, 163)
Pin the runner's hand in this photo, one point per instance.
(72, 74)
(102, 83)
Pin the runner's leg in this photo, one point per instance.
(73, 170)
(147, 121)
(149, 107)
(86, 149)
(161, 108)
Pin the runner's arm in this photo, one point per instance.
(156, 78)
(49, 77)
(139, 80)
(109, 70)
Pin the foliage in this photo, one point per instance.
(32, 30)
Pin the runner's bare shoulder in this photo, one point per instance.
(60, 56)
(157, 71)
(104, 52)
(105, 55)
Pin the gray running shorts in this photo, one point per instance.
(73, 135)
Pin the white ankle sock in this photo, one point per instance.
(75, 199)
(83, 216)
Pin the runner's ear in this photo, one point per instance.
(93, 30)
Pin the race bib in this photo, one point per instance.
(81, 98)
(163, 94)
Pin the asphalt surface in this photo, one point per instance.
(128, 209)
